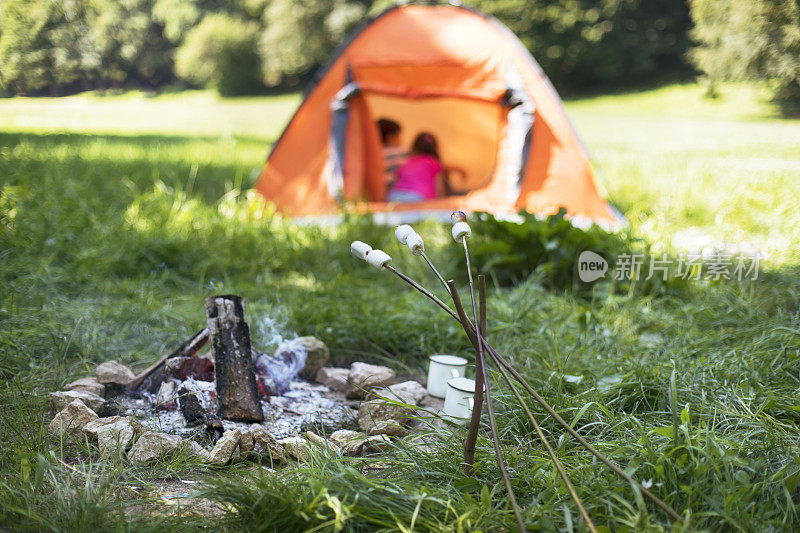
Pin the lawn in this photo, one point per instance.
(119, 214)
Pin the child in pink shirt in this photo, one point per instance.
(422, 176)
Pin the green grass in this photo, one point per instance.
(118, 215)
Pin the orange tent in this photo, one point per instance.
(452, 71)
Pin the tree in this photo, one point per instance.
(583, 43)
(749, 39)
(45, 46)
(301, 34)
(221, 53)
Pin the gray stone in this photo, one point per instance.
(93, 428)
(350, 442)
(265, 444)
(151, 446)
(392, 428)
(223, 450)
(247, 444)
(197, 451)
(70, 421)
(116, 436)
(297, 447)
(376, 444)
(363, 377)
(88, 385)
(354, 443)
(376, 417)
(333, 378)
(316, 352)
(114, 373)
(61, 399)
(409, 392)
(315, 439)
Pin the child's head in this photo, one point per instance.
(390, 132)
(425, 143)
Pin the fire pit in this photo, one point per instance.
(233, 402)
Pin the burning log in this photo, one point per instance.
(237, 393)
(153, 376)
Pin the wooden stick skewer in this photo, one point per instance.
(470, 328)
(490, 411)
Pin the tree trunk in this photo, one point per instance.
(237, 393)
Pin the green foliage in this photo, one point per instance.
(301, 34)
(130, 42)
(45, 45)
(220, 53)
(65, 45)
(582, 43)
(748, 39)
(548, 249)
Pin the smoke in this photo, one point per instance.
(277, 372)
(270, 333)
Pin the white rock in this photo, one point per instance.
(61, 399)
(226, 445)
(114, 373)
(409, 392)
(151, 446)
(322, 443)
(87, 384)
(350, 442)
(363, 377)
(333, 378)
(70, 421)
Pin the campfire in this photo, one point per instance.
(235, 403)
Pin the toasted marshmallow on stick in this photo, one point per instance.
(402, 232)
(360, 249)
(461, 230)
(415, 244)
(378, 259)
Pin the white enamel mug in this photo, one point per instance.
(442, 368)
(459, 400)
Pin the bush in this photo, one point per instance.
(749, 39)
(511, 252)
(220, 53)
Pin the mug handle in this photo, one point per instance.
(454, 373)
(471, 403)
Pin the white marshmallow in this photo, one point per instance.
(360, 249)
(415, 244)
(461, 230)
(402, 232)
(378, 258)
